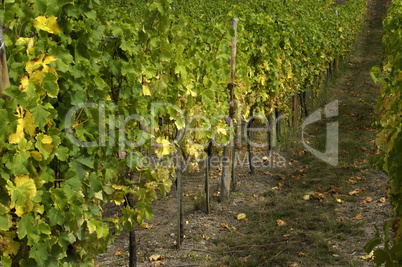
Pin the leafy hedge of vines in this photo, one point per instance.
(389, 139)
(65, 53)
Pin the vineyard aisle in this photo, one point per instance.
(306, 214)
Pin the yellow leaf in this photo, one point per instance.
(195, 150)
(155, 257)
(240, 217)
(47, 24)
(358, 217)
(91, 225)
(118, 252)
(37, 77)
(24, 83)
(368, 256)
(302, 254)
(24, 124)
(205, 237)
(367, 200)
(280, 222)
(28, 124)
(46, 140)
(356, 192)
(118, 187)
(340, 200)
(18, 135)
(25, 189)
(164, 147)
(193, 167)
(225, 225)
(145, 90)
(22, 41)
(30, 47)
(158, 263)
(34, 63)
(36, 155)
(49, 59)
(221, 131)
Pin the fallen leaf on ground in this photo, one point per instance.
(302, 254)
(382, 200)
(280, 222)
(340, 200)
(205, 237)
(241, 217)
(368, 256)
(367, 200)
(306, 197)
(149, 227)
(225, 225)
(294, 265)
(280, 184)
(287, 235)
(356, 192)
(319, 196)
(155, 257)
(118, 252)
(158, 263)
(333, 190)
(358, 217)
(350, 181)
(339, 219)
(303, 168)
(254, 195)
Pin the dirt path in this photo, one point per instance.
(328, 212)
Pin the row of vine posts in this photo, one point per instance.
(228, 180)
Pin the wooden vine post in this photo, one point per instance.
(228, 151)
(180, 223)
(268, 134)
(250, 143)
(207, 169)
(4, 80)
(295, 108)
(132, 249)
(272, 125)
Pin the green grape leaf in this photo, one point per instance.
(40, 114)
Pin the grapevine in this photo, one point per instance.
(389, 139)
(95, 90)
